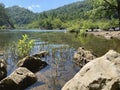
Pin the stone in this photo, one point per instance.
(108, 36)
(41, 54)
(32, 63)
(102, 73)
(20, 79)
(82, 56)
(3, 69)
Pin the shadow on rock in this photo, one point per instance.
(20, 79)
(34, 64)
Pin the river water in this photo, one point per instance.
(61, 46)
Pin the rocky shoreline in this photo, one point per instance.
(107, 34)
(24, 75)
(97, 73)
(102, 73)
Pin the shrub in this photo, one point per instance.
(24, 46)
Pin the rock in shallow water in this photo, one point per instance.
(32, 63)
(82, 56)
(102, 73)
(41, 54)
(20, 79)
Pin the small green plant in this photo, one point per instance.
(24, 46)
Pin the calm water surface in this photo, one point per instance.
(61, 47)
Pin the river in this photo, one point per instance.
(61, 46)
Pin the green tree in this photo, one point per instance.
(4, 19)
(108, 5)
(57, 24)
(21, 16)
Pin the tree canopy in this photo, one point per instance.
(20, 16)
(4, 19)
(111, 6)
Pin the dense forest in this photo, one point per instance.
(20, 16)
(85, 14)
(4, 18)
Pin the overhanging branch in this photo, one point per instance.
(110, 4)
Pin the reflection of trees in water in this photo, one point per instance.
(98, 45)
(60, 65)
(59, 60)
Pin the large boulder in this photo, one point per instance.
(3, 69)
(100, 74)
(82, 56)
(32, 63)
(20, 79)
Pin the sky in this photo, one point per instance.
(37, 5)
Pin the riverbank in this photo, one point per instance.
(107, 34)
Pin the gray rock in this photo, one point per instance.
(83, 56)
(32, 63)
(3, 69)
(20, 79)
(102, 73)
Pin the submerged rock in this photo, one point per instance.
(3, 69)
(102, 73)
(32, 63)
(20, 79)
(41, 54)
(82, 56)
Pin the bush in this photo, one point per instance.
(24, 46)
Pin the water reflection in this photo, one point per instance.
(98, 45)
(60, 69)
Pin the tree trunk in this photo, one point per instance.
(119, 19)
(118, 7)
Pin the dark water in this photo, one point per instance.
(61, 47)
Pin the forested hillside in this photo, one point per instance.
(4, 19)
(62, 17)
(82, 14)
(69, 12)
(20, 16)
(79, 15)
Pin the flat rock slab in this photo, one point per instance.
(20, 79)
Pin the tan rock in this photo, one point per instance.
(83, 56)
(32, 63)
(20, 79)
(100, 74)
